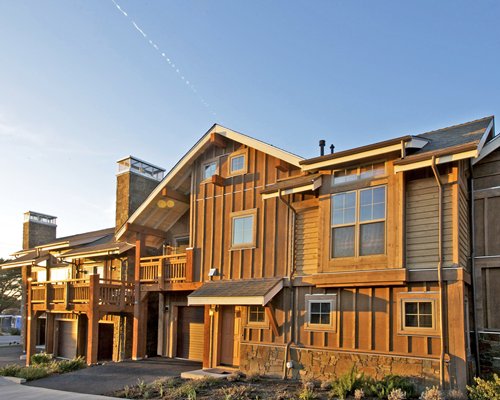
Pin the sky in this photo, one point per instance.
(84, 83)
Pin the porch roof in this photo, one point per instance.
(240, 292)
(297, 184)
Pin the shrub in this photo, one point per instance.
(236, 392)
(455, 394)
(359, 394)
(347, 384)
(397, 394)
(485, 389)
(61, 367)
(41, 358)
(384, 387)
(14, 332)
(10, 370)
(432, 393)
(32, 373)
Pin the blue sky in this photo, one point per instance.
(81, 87)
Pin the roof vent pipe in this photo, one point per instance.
(332, 149)
(322, 147)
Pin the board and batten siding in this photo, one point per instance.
(422, 224)
(306, 237)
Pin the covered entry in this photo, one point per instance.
(190, 335)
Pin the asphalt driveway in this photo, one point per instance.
(107, 378)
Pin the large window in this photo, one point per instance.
(243, 231)
(321, 311)
(358, 222)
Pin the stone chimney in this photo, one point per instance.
(38, 229)
(135, 180)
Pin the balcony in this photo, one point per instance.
(81, 294)
(167, 272)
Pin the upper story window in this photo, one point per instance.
(238, 162)
(358, 222)
(209, 169)
(243, 233)
(356, 173)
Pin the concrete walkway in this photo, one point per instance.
(9, 340)
(10, 390)
(107, 378)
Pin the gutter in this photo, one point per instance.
(291, 271)
(440, 271)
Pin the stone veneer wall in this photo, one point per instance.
(326, 365)
(489, 353)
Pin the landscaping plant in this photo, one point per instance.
(432, 393)
(485, 389)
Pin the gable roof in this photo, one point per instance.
(200, 146)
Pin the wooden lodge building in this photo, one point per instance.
(245, 256)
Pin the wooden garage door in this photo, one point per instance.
(190, 333)
(66, 344)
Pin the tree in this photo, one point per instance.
(10, 287)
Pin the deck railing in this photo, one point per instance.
(170, 268)
(78, 291)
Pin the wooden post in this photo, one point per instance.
(66, 294)
(93, 323)
(160, 273)
(25, 274)
(189, 264)
(208, 337)
(48, 286)
(161, 324)
(49, 333)
(30, 327)
(139, 326)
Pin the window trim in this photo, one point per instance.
(240, 214)
(358, 223)
(321, 298)
(358, 173)
(415, 297)
(204, 164)
(240, 153)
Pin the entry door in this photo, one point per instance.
(67, 336)
(190, 333)
(229, 337)
(105, 343)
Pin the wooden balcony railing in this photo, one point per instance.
(73, 292)
(172, 268)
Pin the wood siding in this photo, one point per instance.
(306, 237)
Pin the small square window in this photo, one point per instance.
(321, 312)
(237, 163)
(418, 313)
(209, 169)
(256, 315)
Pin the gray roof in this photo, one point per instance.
(456, 135)
(227, 288)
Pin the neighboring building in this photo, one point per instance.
(250, 257)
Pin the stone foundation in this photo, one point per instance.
(327, 365)
(489, 353)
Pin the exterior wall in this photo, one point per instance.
(486, 181)
(211, 217)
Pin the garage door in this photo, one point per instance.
(66, 341)
(190, 333)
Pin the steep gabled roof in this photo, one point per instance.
(200, 146)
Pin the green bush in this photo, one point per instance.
(41, 359)
(61, 367)
(485, 389)
(32, 373)
(10, 370)
(381, 389)
(347, 384)
(14, 331)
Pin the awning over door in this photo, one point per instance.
(241, 292)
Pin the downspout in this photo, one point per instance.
(291, 270)
(472, 222)
(440, 270)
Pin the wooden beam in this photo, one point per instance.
(206, 334)
(93, 321)
(218, 180)
(138, 332)
(217, 140)
(282, 165)
(174, 195)
(189, 264)
(272, 319)
(145, 230)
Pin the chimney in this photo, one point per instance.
(135, 180)
(38, 229)
(322, 147)
(332, 149)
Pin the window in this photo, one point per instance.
(357, 173)
(358, 217)
(243, 233)
(418, 313)
(321, 311)
(256, 315)
(238, 162)
(209, 169)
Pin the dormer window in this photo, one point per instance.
(238, 162)
(356, 173)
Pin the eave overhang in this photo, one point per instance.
(294, 185)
